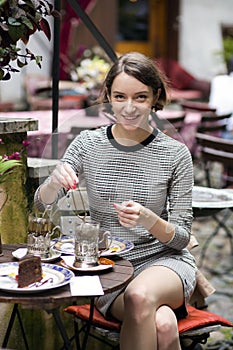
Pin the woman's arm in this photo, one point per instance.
(63, 176)
(131, 214)
(176, 231)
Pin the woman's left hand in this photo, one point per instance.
(128, 213)
(131, 214)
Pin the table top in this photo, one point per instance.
(66, 120)
(111, 280)
(209, 201)
(207, 197)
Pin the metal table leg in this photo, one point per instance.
(15, 313)
(220, 224)
(59, 323)
(88, 326)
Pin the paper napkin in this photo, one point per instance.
(86, 286)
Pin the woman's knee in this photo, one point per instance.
(166, 324)
(138, 304)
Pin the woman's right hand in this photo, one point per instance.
(63, 176)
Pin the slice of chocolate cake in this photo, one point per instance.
(30, 270)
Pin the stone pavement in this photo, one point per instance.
(218, 269)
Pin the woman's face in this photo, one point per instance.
(131, 101)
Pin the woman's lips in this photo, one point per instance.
(128, 118)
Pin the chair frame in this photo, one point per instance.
(109, 335)
(216, 149)
(196, 106)
(212, 123)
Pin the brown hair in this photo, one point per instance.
(143, 69)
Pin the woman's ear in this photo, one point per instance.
(156, 97)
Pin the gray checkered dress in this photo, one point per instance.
(156, 173)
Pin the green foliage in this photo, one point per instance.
(7, 167)
(228, 48)
(19, 19)
(227, 52)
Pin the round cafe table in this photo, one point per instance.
(208, 201)
(52, 299)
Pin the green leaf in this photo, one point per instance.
(16, 32)
(1, 73)
(2, 2)
(27, 22)
(20, 64)
(36, 3)
(13, 22)
(7, 76)
(8, 164)
(38, 60)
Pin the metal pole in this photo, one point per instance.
(94, 31)
(55, 81)
(56, 53)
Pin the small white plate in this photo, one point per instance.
(21, 252)
(117, 247)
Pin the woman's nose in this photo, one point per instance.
(129, 106)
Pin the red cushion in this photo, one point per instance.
(83, 311)
(178, 76)
(200, 318)
(195, 319)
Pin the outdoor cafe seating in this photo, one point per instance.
(215, 150)
(194, 330)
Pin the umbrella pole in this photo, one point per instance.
(93, 29)
(56, 53)
(55, 82)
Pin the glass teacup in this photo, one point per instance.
(88, 240)
(40, 231)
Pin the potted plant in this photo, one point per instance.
(227, 52)
(19, 19)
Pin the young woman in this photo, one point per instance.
(139, 184)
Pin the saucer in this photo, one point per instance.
(21, 252)
(68, 262)
(53, 255)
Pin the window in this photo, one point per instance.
(133, 20)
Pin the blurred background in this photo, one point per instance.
(192, 33)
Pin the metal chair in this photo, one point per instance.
(213, 123)
(197, 106)
(194, 330)
(217, 150)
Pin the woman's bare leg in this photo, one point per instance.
(167, 329)
(154, 287)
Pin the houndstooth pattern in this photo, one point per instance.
(157, 174)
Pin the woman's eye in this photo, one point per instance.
(141, 97)
(119, 97)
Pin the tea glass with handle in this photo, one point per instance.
(88, 236)
(40, 233)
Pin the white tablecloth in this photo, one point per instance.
(221, 96)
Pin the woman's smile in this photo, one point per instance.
(131, 101)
